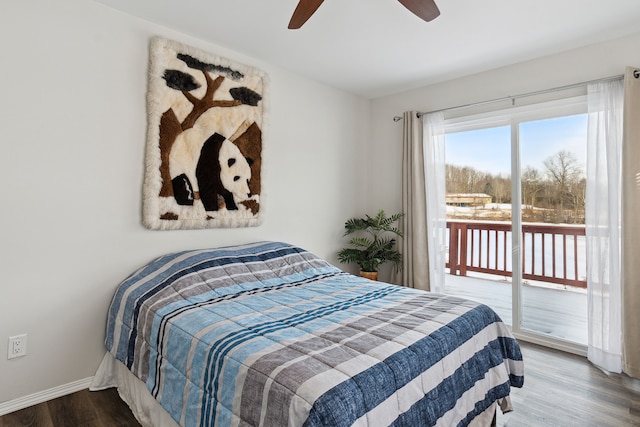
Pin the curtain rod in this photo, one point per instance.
(636, 74)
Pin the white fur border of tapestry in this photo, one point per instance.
(206, 121)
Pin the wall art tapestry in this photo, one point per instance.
(206, 119)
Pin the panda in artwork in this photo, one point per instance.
(220, 170)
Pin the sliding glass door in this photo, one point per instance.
(478, 199)
(515, 215)
(553, 188)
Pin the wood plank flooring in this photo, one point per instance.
(560, 390)
(82, 409)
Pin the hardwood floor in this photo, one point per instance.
(82, 409)
(560, 390)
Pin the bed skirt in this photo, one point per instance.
(147, 410)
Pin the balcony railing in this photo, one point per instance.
(550, 253)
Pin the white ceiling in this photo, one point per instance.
(377, 47)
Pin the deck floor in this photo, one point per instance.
(551, 311)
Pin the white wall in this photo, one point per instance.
(73, 131)
(580, 65)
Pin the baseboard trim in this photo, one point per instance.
(43, 396)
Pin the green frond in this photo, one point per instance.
(355, 224)
(362, 242)
(373, 246)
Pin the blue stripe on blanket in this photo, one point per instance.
(188, 268)
(424, 412)
(348, 400)
(221, 348)
(192, 258)
(143, 281)
(169, 313)
(492, 395)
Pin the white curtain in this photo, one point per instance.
(603, 223)
(434, 167)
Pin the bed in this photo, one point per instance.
(269, 334)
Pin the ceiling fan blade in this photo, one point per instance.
(423, 9)
(303, 12)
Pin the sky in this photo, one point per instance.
(489, 150)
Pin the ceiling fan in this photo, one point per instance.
(424, 9)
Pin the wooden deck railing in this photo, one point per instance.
(550, 253)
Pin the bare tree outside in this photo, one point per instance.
(565, 174)
(555, 194)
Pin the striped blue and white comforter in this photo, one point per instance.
(269, 334)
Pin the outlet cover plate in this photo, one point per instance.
(17, 346)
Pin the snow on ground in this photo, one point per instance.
(497, 211)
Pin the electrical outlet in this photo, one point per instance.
(17, 346)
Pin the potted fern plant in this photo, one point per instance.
(374, 243)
